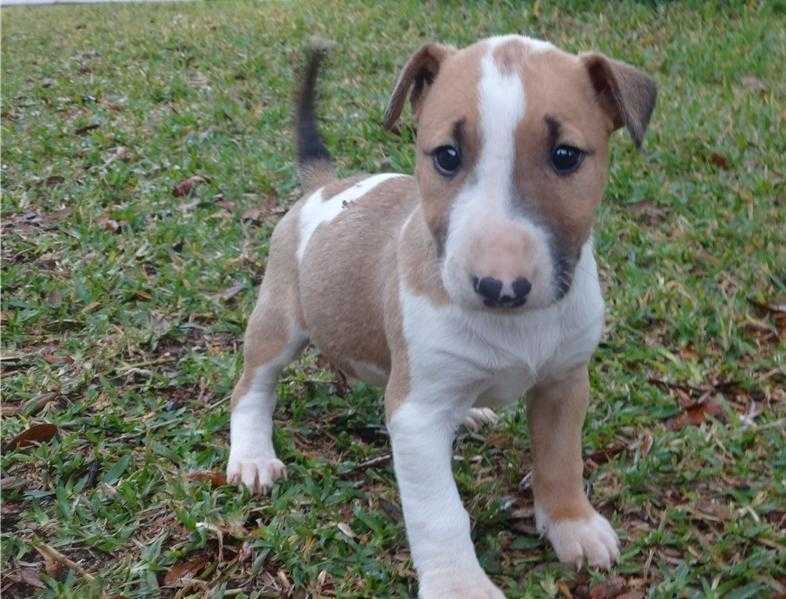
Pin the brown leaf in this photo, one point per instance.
(54, 180)
(253, 215)
(720, 161)
(230, 292)
(109, 224)
(216, 479)
(187, 569)
(606, 454)
(187, 185)
(10, 409)
(30, 577)
(648, 212)
(87, 128)
(38, 433)
(608, 589)
(118, 153)
(696, 414)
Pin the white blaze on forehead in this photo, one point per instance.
(502, 105)
(315, 211)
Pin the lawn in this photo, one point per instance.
(146, 157)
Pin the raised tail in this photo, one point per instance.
(314, 163)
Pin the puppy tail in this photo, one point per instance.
(314, 162)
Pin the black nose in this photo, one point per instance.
(490, 289)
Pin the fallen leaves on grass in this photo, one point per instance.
(87, 128)
(52, 556)
(186, 186)
(720, 161)
(38, 433)
(268, 210)
(696, 414)
(28, 576)
(186, 569)
(216, 479)
(230, 292)
(118, 153)
(110, 224)
(648, 212)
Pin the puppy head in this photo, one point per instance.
(512, 157)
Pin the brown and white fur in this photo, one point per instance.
(380, 272)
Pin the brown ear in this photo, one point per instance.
(418, 74)
(627, 94)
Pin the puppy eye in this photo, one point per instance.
(447, 160)
(566, 159)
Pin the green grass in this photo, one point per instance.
(119, 333)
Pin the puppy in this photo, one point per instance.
(459, 289)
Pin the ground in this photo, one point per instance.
(146, 156)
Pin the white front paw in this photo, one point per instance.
(455, 584)
(257, 473)
(478, 417)
(589, 540)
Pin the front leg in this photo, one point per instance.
(563, 513)
(422, 426)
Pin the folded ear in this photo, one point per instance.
(626, 94)
(418, 74)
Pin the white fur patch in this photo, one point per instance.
(498, 356)
(487, 201)
(438, 526)
(589, 541)
(252, 458)
(315, 211)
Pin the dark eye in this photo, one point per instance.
(566, 159)
(447, 160)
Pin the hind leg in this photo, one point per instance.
(274, 338)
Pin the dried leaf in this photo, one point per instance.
(50, 553)
(253, 215)
(230, 292)
(606, 454)
(187, 569)
(346, 529)
(608, 589)
(30, 577)
(696, 414)
(118, 153)
(10, 409)
(187, 185)
(87, 128)
(54, 180)
(109, 224)
(216, 479)
(38, 433)
(648, 212)
(720, 161)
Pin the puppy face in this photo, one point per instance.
(512, 151)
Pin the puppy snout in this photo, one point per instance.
(497, 293)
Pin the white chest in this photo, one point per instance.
(498, 356)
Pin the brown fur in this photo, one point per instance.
(278, 310)
(555, 415)
(343, 300)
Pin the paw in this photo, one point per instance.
(589, 540)
(457, 585)
(479, 417)
(257, 474)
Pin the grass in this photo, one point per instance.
(123, 306)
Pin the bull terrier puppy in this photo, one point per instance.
(460, 289)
